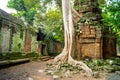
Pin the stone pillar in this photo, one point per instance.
(11, 37)
(57, 46)
(42, 48)
(39, 48)
(0, 35)
(27, 41)
(109, 45)
(5, 38)
(90, 29)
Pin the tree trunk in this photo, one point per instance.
(69, 37)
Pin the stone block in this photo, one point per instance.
(89, 50)
(115, 76)
(87, 41)
(92, 31)
(98, 40)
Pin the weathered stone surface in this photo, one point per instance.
(39, 48)
(5, 38)
(27, 42)
(91, 50)
(92, 42)
(42, 49)
(11, 38)
(85, 41)
(115, 76)
(98, 40)
(109, 46)
(54, 47)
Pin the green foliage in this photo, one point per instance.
(29, 15)
(54, 24)
(51, 24)
(24, 8)
(27, 9)
(70, 67)
(11, 56)
(17, 5)
(29, 4)
(101, 3)
(63, 70)
(14, 55)
(1, 56)
(17, 55)
(17, 42)
(76, 4)
(108, 65)
(32, 54)
(82, 0)
(53, 54)
(99, 67)
(111, 16)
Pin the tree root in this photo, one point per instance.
(73, 62)
(61, 58)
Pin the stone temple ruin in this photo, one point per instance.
(94, 41)
(7, 30)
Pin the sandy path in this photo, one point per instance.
(33, 71)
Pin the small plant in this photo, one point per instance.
(108, 65)
(32, 54)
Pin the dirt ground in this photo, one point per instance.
(34, 71)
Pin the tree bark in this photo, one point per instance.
(68, 38)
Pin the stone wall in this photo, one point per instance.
(109, 45)
(5, 38)
(0, 35)
(90, 42)
(54, 47)
(90, 30)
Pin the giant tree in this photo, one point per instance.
(69, 38)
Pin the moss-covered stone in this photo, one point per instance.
(115, 76)
(17, 55)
